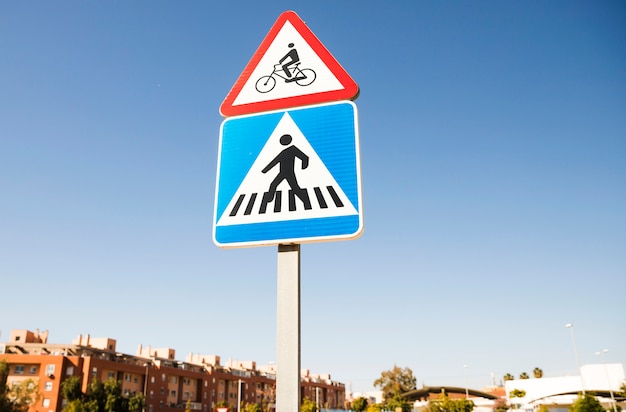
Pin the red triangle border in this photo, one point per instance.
(350, 89)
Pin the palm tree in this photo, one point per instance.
(537, 373)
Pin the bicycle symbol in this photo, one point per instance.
(302, 77)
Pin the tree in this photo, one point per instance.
(100, 397)
(70, 389)
(500, 405)
(222, 404)
(4, 392)
(308, 405)
(508, 377)
(359, 404)
(587, 403)
(20, 395)
(517, 393)
(445, 404)
(252, 407)
(395, 382)
(537, 373)
(136, 403)
(523, 375)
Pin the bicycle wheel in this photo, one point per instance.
(310, 77)
(265, 84)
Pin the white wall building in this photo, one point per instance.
(563, 391)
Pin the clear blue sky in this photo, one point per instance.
(493, 138)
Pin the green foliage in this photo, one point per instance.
(222, 404)
(75, 406)
(136, 403)
(100, 397)
(20, 395)
(517, 393)
(375, 407)
(70, 389)
(359, 404)
(308, 406)
(252, 407)
(508, 377)
(393, 383)
(587, 403)
(537, 373)
(523, 375)
(398, 403)
(445, 404)
(500, 405)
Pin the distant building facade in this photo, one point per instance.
(558, 393)
(168, 384)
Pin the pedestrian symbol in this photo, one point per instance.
(294, 176)
(286, 161)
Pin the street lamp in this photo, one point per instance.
(465, 376)
(570, 326)
(606, 371)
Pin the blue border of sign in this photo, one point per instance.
(332, 130)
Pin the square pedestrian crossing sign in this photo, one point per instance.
(289, 176)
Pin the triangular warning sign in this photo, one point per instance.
(290, 68)
(313, 192)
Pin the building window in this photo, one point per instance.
(49, 370)
(127, 377)
(173, 394)
(32, 370)
(48, 387)
(19, 369)
(186, 381)
(163, 377)
(152, 379)
(174, 379)
(46, 403)
(94, 372)
(111, 375)
(69, 371)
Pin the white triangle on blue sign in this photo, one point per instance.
(317, 194)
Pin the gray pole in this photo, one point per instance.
(570, 326)
(288, 329)
(608, 379)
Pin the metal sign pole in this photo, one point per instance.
(288, 329)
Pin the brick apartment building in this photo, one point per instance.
(168, 384)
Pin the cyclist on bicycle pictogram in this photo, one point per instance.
(288, 69)
(294, 59)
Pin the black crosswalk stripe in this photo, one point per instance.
(324, 196)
